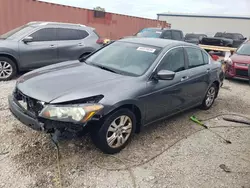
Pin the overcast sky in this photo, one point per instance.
(149, 9)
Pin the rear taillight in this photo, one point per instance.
(100, 41)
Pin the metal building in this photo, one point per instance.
(207, 24)
(14, 13)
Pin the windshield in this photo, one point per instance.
(16, 32)
(152, 33)
(125, 58)
(244, 50)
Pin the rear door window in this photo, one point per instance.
(46, 34)
(195, 57)
(167, 35)
(176, 35)
(228, 36)
(70, 34)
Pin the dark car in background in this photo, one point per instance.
(238, 64)
(194, 38)
(117, 90)
(39, 44)
(224, 39)
(163, 33)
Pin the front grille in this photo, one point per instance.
(240, 72)
(33, 106)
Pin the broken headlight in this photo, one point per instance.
(71, 113)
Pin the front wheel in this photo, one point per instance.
(7, 69)
(116, 131)
(210, 97)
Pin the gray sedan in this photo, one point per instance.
(117, 90)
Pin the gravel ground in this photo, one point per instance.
(174, 153)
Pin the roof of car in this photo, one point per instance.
(161, 28)
(155, 42)
(44, 23)
(228, 33)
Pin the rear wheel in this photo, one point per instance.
(210, 97)
(116, 131)
(7, 69)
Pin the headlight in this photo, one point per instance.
(71, 113)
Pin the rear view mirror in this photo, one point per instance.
(165, 75)
(28, 39)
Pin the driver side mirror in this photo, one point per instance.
(165, 75)
(28, 39)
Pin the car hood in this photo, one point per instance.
(6, 42)
(240, 58)
(69, 81)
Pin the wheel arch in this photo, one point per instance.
(217, 83)
(13, 58)
(132, 106)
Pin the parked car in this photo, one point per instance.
(238, 64)
(117, 90)
(194, 38)
(164, 33)
(39, 44)
(224, 39)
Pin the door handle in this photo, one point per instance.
(184, 78)
(208, 70)
(80, 44)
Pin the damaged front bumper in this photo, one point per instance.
(39, 124)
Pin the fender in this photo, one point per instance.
(111, 108)
(4, 52)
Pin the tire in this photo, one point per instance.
(8, 69)
(113, 133)
(209, 97)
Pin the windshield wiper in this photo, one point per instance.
(105, 68)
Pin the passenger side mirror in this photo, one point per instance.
(165, 75)
(28, 39)
(245, 38)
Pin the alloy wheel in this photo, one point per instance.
(5, 69)
(210, 96)
(119, 131)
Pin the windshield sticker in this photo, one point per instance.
(151, 50)
(159, 32)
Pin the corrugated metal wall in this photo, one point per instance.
(14, 13)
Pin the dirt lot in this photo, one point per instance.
(173, 153)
